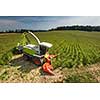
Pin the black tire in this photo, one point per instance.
(36, 61)
(26, 57)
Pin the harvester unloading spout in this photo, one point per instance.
(35, 37)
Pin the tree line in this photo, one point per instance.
(77, 27)
(74, 27)
(21, 31)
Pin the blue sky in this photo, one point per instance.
(45, 22)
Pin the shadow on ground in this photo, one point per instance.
(24, 65)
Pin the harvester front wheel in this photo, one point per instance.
(36, 61)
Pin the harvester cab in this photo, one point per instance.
(33, 52)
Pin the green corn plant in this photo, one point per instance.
(6, 57)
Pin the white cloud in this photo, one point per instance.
(81, 20)
(7, 22)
